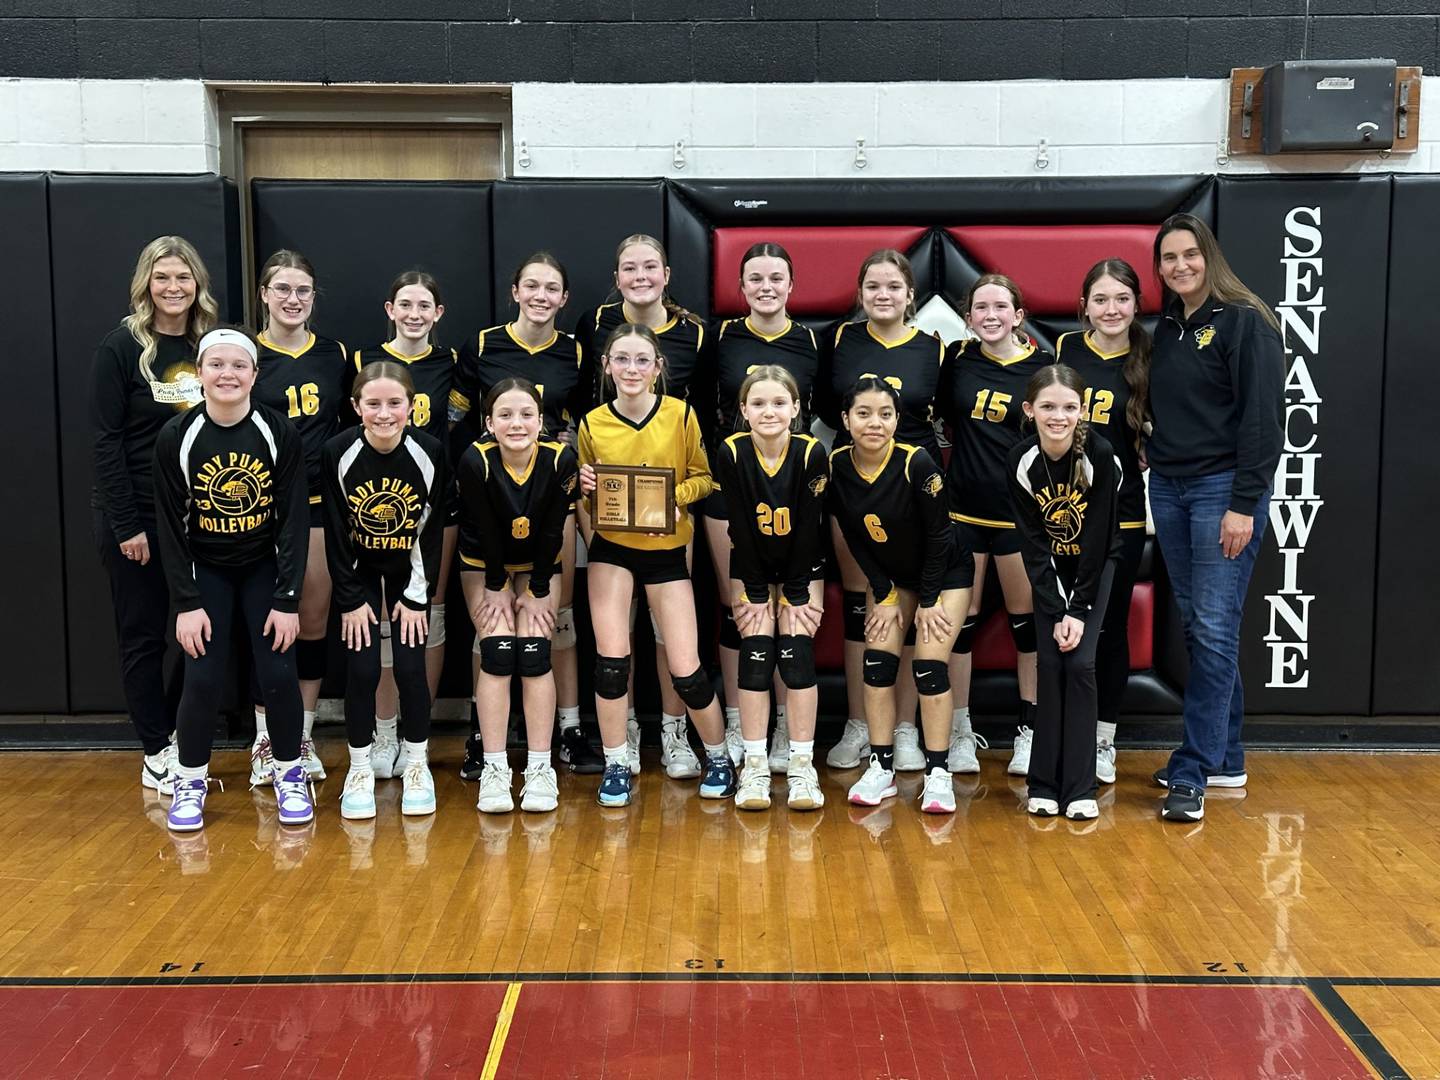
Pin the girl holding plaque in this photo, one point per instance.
(642, 457)
(889, 499)
(773, 478)
(517, 493)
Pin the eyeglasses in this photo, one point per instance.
(631, 361)
(283, 290)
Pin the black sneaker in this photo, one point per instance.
(1184, 803)
(474, 763)
(577, 754)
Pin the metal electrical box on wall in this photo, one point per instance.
(1328, 105)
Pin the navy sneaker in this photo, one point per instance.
(719, 779)
(1226, 780)
(615, 785)
(1184, 803)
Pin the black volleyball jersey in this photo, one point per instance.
(895, 521)
(1107, 396)
(231, 496)
(554, 367)
(310, 387)
(681, 339)
(384, 510)
(775, 516)
(433, 373)
(1066, 534)
(738, 348)
(910, 364)
(981, 397)
(127, 412)
(515, 522)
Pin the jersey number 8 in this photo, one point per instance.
(307, 401)
(877, 533)
(774, 522)
(420, 410)
(520, 528)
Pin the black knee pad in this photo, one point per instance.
(534, 657)
(1022, 629)
(797, 661)
(310, 658)
(757, 662)
(497, 655)
(881, 668)
(852, 609)
(729, 632)
(694, 689)
(612, 677)
(931, 676)
(965, 640)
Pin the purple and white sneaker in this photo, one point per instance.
(293, 797)
(187, 806)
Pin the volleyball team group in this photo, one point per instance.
(245, 483)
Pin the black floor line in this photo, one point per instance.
(1356, 1029)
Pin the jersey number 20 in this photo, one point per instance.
(774, 522)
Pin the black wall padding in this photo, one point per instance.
(32, 645)
(578, 221)
(1407, 584)
(1306, 642)
(687, 242)
(1079, 201)
(360, 234)
(98, 224)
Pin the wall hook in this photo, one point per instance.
(1042, 155)
(522, 155)
(678, 159)
(860, 159)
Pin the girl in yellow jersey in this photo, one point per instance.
(643, 427)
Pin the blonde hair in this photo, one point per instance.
(1221, 282)
(203, 315)
(776, 374)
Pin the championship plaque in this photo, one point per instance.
(633, 498)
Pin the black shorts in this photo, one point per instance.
(712, 506)
(648, 566)
(988, 539)
(317, 513)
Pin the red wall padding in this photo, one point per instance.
(826, 258)
(1049, 262)
(994, 649)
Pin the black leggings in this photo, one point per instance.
(1112, 661)
(1062, 757)
(362, 669)
(251, 589)
(143, 630)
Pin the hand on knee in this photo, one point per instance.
(757, 662)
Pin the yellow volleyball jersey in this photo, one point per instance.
(667, 438)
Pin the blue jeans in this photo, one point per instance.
(1210, 592)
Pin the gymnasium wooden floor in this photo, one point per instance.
(1294, 933)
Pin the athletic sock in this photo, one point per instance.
(937, 759)
(386, 728)
(669, 723)
(191, 772)
(283, 767)
(360, 757)
(416, 751)
(886, 754)
(536, 757)
(308, 723)
(499, 760)
(1105, 733)
(261, 731)
(755, 747)
(569, 716)
(617, 755)
(732, 717)
(716, 750)
(802, 746)
(960, 721)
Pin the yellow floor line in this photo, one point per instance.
(502, 1031)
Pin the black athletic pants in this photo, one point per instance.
(251, 589)
(1062, 757)
(1112, 661)
(144, 629)
(362, 669)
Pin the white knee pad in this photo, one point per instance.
(655, 626)
(436, 638)
(564, 635)
(387, 653)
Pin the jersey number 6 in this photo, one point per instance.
(872, 525)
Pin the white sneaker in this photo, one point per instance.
(1042, 807)
(495, 790)
(853, 747)
(908, 755)
(1020, 755)
(385, 757)
(780, 746)
(262, 762)
(1083, 810)
(160, 776)
(417, 792)
(938, 796)
(962, 751)
(735, 746)
(357, 801)
(804, 784)
(314, 767)
(754, 790)
(875, 786)
(541, 790)
(676, 754)
(1105, 761)
(632, 746)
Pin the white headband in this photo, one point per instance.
(227, 337)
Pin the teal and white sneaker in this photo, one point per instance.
(357, 801)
